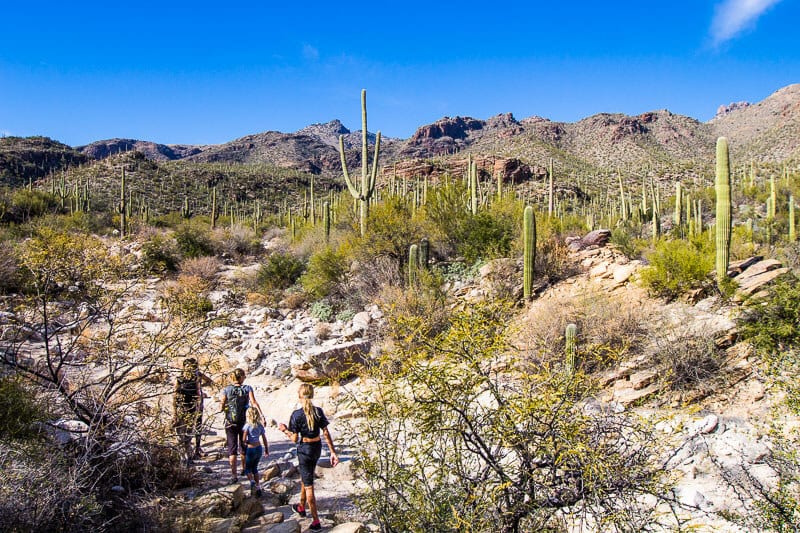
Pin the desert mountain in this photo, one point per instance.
(767, 131)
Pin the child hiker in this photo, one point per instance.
(305, 426)
(250, 434)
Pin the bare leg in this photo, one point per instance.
(312, 502)
(232, 461)
(302, 495)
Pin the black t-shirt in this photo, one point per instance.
(299, 424)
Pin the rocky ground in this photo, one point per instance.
(709, 431)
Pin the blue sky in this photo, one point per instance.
(199, 73)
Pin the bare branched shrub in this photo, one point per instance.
(204, 268)
(187, 297)
(687, 361)
(368, 279)
(237, 241)
(552, 259)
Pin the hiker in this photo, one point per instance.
(305, 426)
(187, 408)
(252, 431)
(235, 399)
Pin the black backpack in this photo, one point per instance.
(187, 392)
(238, 399)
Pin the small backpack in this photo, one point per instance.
(236, 410)
(187, 392)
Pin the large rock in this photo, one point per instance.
(326, 363)
(350, 527)
(222, 501)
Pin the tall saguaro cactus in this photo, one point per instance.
(529, 251)
(123, 209)
(723, 221)
(363, 194)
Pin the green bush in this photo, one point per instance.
(677, 266)
(327, 270)
(19, 409)
(158, 254)
(322, 310)
(280, 271)
(194, 240)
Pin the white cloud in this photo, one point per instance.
(310, 53)
(731, 17)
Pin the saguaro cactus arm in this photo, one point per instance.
(723, 213)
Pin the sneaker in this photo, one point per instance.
(299, 510)
(258, 493)
(315, 526)
(234, 479)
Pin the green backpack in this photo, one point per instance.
(236, 411)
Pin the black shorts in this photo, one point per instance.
(233, 439)
(307, 456)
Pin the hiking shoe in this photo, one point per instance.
(234, 479)
(299, 510)
(258, 493)
(315, 526)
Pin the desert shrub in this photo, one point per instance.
(418, 311)
(280, 271)
(446, 208)
(552, 259)
(294, 299)
(392, 229)
(771, 322)
(687, 361)
(20, 409)
(25, 205)
(41, 489)
(159, 254)
(345, 315)
(10, 275)
(368, 279)
(322, 331)
(187, 297)
(627, 242)
(677, 266)
(236, 241)
(485, 236)
(458, 431)
(205, 268)
(609, 329)
(193, 240)
(327, 270)
(322, 310)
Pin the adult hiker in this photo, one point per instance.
(187, 408)
(252, 431)
(305, 426)
(235, 400)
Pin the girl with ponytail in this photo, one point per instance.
(305, 426)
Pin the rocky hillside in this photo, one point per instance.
(768, 131)
(30, 158)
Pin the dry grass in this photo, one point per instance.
(609, 328)
(205, 268)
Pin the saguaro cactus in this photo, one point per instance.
(723, 197)
(792, 232)
(123, 209)
(570, 334)
(473, 187)
(678, 212)
(529, 251)
(326, 220)
(364, 193)
(413, 263)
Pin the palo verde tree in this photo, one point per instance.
(461, 434)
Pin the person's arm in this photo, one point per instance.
(223, 401)
(292, 436)
(329, 440)
(264, 439)
(254, 402)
